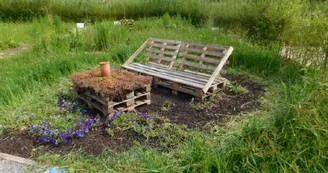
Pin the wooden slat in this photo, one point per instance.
(217, 70)
(198, 58)
(218, 54)
(161, 57)
(170, 75)
(167, 41)
(160, 51)
(191, 64)
(164, 77)
(164, 46)
(213, 46)
(198, 75)
(174, 73)
(136, 53)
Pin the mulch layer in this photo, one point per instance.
(120, 83)
(227, 104)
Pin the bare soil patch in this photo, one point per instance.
(226, 104)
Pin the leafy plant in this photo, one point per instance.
(235, 88)
(167, 105)
(148, 126)
(200, 105)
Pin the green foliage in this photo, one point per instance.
(148, 126)
(199, 105)
(235, 88)
(167, 105)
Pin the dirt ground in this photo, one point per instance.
(226, 104)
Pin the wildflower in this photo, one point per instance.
(43, 125)
(84, 111)
(17, 117)
(71, 91)
(80, 124)
(56, 143)
(79, 133)
(56, 132)
(47, 132)
(41, 139)
(161, 135)
(69, 130)
(63, 137)
(51, 140)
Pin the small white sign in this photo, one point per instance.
(117, 23)
(80, 25)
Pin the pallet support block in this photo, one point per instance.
(136, 98)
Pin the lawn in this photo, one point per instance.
(271, 117)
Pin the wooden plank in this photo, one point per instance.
(217, 70)
(160, 51)
(4, 156)
(213, 46)
(164, 77)
(136, 53)
(167, 41)
(176, 73)
(169, 75)
(175, 57)
(186, 73)
(198, 58)
(163, 46)
(148, 53)
(161, 58)
(205, 67)
(212, 53)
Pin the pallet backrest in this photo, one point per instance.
(162, 51)
(201, 57)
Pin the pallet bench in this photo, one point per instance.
(182, 66)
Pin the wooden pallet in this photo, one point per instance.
(132, 100)
(197, 92)
(191, 67)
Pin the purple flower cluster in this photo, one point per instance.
(46, 133)
(144, 115)
(68, 106)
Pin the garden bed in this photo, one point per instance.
(176, 109)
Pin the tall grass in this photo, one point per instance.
(77, 10)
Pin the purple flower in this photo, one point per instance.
(161, 135)
(71, 91)
(86, 130)
(84, 111)
(47, 132)
(69, 130)
(34, 127)
(41, 139)
(56, 143)
(79, 133)
(17, 117)
(56, 132)
(91, 121)
(80, 124)
(52, 140)
(63, 137)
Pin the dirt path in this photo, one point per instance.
(14, 51)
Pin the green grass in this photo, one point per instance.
(288, 134)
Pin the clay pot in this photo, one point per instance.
(105, 69)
